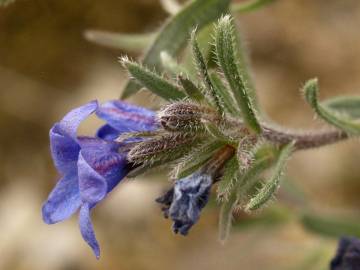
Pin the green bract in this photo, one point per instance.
(341, 112)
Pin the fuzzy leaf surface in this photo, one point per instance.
(263, 159)
(153, 81)
(209, 90)
(174, 34)
(191, 89)
(271, 186)
(335, 112)
(224, 94)
(226, 53)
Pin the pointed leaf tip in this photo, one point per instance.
(226, 53)
(336, 114)
(270, 187)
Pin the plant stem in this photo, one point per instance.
(304, 140)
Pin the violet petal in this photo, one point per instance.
(127, 117)
(87, 230)
(63, 201)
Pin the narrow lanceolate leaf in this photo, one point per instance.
(214, 130)
(227, 180)
(226, 214)
(191, 89)
(337, 118)
(348, 105)
(226, 57)
(170, 65)
(204, 39)
(251, 5)
(271, 186)
(122, 41)
(263, 160)
(175, 33)
(224, 94)
(195, 159)
(152, 81)
(209, 90)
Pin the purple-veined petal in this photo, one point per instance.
(127, 117)
(97, 145)
(87, 230)
(63, 201)
(92, 185)
(104, 158)
(106, 132)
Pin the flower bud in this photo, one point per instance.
(186, 116)
(167, 147)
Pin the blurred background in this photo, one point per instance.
(47, 68)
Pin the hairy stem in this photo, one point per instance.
(304, 140)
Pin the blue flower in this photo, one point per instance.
(184, 202)
(348, 255)
(90, 166)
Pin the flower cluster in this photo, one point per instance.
(210, 131)
(92, 166)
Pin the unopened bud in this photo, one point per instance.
(166, 147)
(186, 116)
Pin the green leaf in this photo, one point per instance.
(337, 118)
(226, 56)
(226, 214)
(171, 65)
(121, 41)
(224, 94)
(216, 133)
(191, 89)
(204, 39)
(349, 105)
(175, 33)
(209, 91)
(152, 81)
(195, 159)
(264, 157)
(271, 186)
(227, 180)
(249, 6)
(333, 226)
